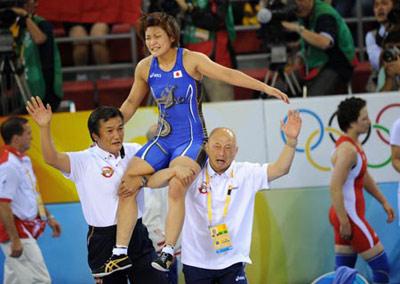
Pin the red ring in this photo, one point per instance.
(379, 117)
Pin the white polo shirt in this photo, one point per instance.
(395, 133)
(18, 186)
(395, 140)
(197, 248)
(373, 49)
(97, 175)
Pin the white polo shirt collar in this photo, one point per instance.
(225, 174)
(106, 156)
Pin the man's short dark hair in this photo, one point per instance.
(348, 111)
(13, 125)
(102, 113)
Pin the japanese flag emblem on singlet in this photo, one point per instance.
(177, 74)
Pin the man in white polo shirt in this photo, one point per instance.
(22, 214)
(97, 174)
(395, 145)
(216, 234)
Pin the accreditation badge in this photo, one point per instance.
(220, 237)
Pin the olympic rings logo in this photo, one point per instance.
(316, 137)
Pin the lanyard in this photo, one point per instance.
(39, 201)
(209, 197)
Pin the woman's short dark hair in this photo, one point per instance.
(13, 125)
(162, 20)
(102, 113)
(348, 111)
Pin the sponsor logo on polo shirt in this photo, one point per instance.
(107, 172)
(204, 188)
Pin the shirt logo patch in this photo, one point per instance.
(240, 278)
(107, 172)
(155, 75)
(178, 74)
(204, 189)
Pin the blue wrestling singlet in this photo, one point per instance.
(181, 130)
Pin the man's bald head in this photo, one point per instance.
(221, 148)
(223, 131)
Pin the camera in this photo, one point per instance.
(275, 38)
(390, 54)
(270, 18)
(7, 18)
(14, 89)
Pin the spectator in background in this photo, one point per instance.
(80, 52)
(374, 39)
(40, 55)
(209, 29)
(22, 213)
(389, 75)
(327, 46)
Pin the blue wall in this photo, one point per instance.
(66, 256)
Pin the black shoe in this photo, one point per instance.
(113, 264)
(163, 262)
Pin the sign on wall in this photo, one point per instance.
(312, 165)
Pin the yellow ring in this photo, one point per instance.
(307, 148)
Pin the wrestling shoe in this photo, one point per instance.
(113, 264)
(163, 262)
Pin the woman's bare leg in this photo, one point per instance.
(176, 213)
